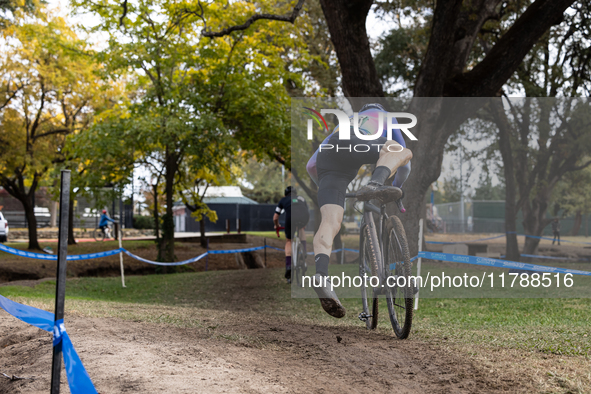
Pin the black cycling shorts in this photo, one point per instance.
(288, 232)
(338, 166)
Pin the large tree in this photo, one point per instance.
(194, 98)
(445, 70)
(51, 91)
(474, 47)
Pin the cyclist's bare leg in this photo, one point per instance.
(393, 156)
(332, 216)
(288, 248)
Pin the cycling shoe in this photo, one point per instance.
(328, 298)
(375, 191)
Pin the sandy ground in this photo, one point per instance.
(132, 357)
(238, 348)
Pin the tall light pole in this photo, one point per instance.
(461, 192)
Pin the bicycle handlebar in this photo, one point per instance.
(277, 229)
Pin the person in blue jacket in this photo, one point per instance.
(104, 222)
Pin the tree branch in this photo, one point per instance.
(503, 59)
(58, 131)
(282, 18)
(124, 5)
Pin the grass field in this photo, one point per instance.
(553, 328)
(557, 326)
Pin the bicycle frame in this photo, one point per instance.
(368, 210)
(295, 243)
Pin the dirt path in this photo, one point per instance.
(132, 357)
(239, 347)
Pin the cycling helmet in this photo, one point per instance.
(104, 211)
(289, 190)
(372, 105)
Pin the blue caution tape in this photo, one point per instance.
(90, 256)
(24, 253)
(272, 247)
(236, 250)
(552, 239)
(78, 378)
(194, 259)
(457, 258)
(40, 256)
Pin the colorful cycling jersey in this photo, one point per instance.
(368, 124)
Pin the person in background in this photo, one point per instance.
(104, 222)
(556, 230)
(296, 219)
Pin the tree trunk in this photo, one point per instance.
(439, 119)
(166, 249)
(534, 222)
(156, 214)
(71, 239)
(500, 117)
(32, 223)
(577, 223)
(346, 23)
(16, 188)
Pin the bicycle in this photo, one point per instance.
(100, 235)
(298, 258)
(381, 246)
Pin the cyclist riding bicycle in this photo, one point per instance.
(296, 219)
(333, 169)
(104, 222)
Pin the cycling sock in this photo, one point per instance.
(304, 247)
(380, 174)
(321, 260)
(287, 262)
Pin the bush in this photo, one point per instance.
(143, 222)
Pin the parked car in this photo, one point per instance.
(3, 228)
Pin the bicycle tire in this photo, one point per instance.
(302, 267)
(400, 300)
(98, 235)
(368, 265)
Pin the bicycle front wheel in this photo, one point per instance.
(99, 235)
(397, 267)
(368, 247)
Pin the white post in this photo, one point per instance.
(419, 260)
(343, 242)
(121, 258)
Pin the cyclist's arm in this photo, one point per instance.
(311, 167)
(278, 210)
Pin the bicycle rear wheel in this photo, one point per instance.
(301, 265)
(400, 299)
(368, 247)
(99, 235)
